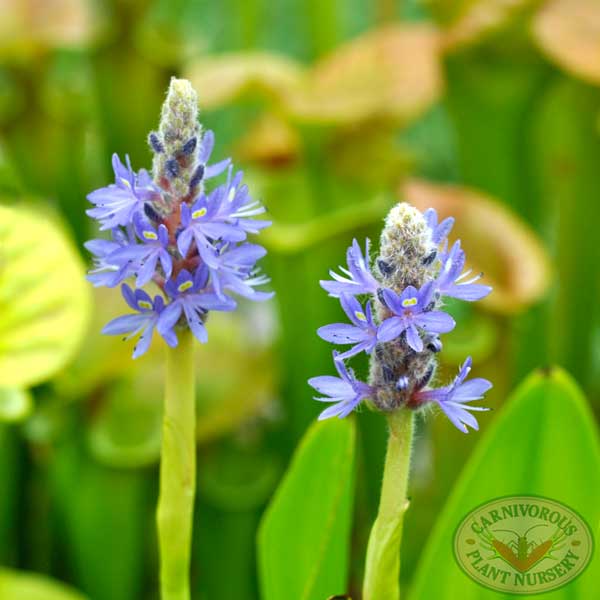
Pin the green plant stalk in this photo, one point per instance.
(382, 569)
(177, 472)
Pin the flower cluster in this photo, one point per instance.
(168, 231)
(396, 316)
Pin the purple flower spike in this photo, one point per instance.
(345, 391)
(451, 280)
(453, 398)
(402, 321)
(362, 332)
(410, 313)
(357, 278)
(173, 231)
(441, 231)
(117, 203)
(142, 322)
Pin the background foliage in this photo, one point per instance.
(485, 109)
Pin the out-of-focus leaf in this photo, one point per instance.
(238, 477)
(44, 298)
(28, 26)
(168, 34)
(11, 467)
(222, 79)
(303, 538)
(271, 142)
(474, 20)
(101, 358)
(544, 443)
(496, 241)
(126, 432)
(477, 336)
(390, 73)
(16, 404)
(565, 153)
(568, 31)
(19, 585)
(105, 514)
(293, 238)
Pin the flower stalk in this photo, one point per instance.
(177, 471)
(382, 568)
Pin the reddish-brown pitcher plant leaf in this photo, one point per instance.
(501, 245)
(390, 73)
(225, 78)
(568, 31)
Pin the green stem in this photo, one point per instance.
(177, 472)
(382, 569)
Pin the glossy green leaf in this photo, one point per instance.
(303, 541)
(15, 585)
(44, 298)
(544, 443)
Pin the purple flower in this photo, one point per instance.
(190, 298)
(206, 148)
(154, 247)
(346, 391)
(441, 231)
(452, 398)
(235, 271)
(200, 224)
(236, 205)
(357, 278)
(107, 272)
(451, 280)
(117, 203)
(142, 322)
(410, 312)
(222, 215)
(362, 332)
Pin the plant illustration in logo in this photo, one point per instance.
(521, 552)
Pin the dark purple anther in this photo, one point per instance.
(155, 143)
(197, 176)
(189, 146)
(172, 168)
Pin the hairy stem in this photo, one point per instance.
(382, 569)
(177, 472)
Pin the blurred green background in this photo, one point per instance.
(488, 110)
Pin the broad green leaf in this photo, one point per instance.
(16, 585)
(303, 541)
(15, 404)
(544, 443)
(44, 298)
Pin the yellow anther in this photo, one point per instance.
(145, 304)
(409, 302)
(199, 213)
(186, 285)
(150, 235)
(360, 315)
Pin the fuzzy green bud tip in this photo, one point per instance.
(179, 117)
(176, 144)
